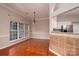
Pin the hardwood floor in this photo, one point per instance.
(31, 47)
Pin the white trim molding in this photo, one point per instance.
(40, 35)
(54, 52)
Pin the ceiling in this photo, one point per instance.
(42, 10)
(72, 12)
(27, 9)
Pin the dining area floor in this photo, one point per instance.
(30, 47)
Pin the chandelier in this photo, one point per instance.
(34, 21)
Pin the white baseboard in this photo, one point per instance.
(12, 44)
(40, 35)
(39, 38)
(54, 52)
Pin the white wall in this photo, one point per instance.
(5, 17)
(40, 29)
(66, 20)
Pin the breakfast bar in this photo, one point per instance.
(64, 43)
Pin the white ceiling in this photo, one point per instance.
(42, 10)
(73, 12)
(27, 9)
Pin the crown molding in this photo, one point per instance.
(44, 18)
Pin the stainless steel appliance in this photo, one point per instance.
(67, 28)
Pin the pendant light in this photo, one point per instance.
(34, 21)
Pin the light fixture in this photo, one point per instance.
(34, 21)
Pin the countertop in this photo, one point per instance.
(68, 34)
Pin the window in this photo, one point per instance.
(21, 30)
(26, 30)
(13, 30)
(18, 30)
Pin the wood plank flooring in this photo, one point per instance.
(30, 47)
